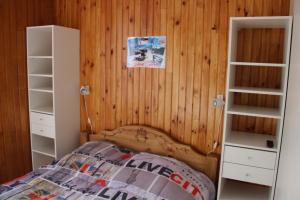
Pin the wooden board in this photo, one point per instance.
(146, 139)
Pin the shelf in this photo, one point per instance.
(235, 190)
(250, 140)
(39, 57)
(44, 109)
(254, 111)
(44, 152)
(41, 102)
(43, 145)
(40, 65)
(253, 90)
(39, 159)
(51, 137)
(262, 22)
(41, 75)
(242, 70)
(40, 84)
(45, 89)
(39, 42)
(258, 64)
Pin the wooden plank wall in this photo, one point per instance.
(177, 99)
(15, 15)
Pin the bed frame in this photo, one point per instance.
(142, 138)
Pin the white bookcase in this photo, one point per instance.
(53, 91)
(248, 168)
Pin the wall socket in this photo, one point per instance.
(85, 90)
(218, 101)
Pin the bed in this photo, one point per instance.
(128, 163)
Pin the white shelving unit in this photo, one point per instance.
(53, 91)
(245, 171)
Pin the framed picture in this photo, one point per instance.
(146, 52)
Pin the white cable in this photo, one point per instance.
(216, 143)
(87, 114)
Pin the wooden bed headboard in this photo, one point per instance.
(142, 138)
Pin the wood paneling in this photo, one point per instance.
(178, 99)
(15, 15)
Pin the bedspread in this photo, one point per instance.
(102, 170)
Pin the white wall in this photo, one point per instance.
(288, 186)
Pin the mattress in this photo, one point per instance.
(102, 170)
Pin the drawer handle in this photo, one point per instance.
(250, 157)
(41, 119)
(248, 175)
(41, 130)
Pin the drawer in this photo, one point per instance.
(43, 130)
(250, 157)
(42, 118)
(248, 174)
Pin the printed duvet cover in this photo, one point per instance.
(102, 171)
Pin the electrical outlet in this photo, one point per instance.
(85, 90)
(218, 101)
